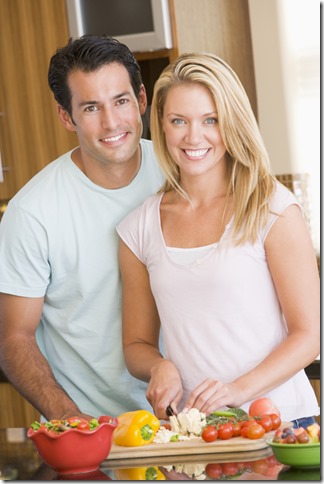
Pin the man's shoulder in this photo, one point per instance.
(147, 148)
(150, 163)
(41, 182)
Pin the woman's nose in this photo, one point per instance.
(194, 133)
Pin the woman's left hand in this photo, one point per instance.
(211, 395)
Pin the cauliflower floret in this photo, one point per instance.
(185, 426)
(191, 422)
(164, 436)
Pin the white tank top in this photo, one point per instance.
(218, 305)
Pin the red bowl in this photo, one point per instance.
(74, 451)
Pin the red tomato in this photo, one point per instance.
(230, 468)
(105, 418)
(243, 432)
(260, 466)
(255, 431)
(263, 406)
(210, 433)
(84, 425)
(276, 421)
(73, 421)
(214, 471)
(166, 426)
(226, 431)
(266, 422)
(247, 423)
(237, 429)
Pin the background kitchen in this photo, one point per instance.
(273, 45)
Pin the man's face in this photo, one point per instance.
(106, 114)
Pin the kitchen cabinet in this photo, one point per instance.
(15, 411)
(30, 133)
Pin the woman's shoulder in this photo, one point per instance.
(282, 197)
(145, 210)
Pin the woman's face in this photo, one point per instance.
(192, 134)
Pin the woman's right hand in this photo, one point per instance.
(164, 389)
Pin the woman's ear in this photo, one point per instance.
(65, 118)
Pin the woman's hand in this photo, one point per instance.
(164, 389)
(211, 395)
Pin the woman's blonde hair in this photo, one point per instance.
(251, 181)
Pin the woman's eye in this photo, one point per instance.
(177, 121)
(211, 121)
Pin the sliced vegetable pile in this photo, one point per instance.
(79, 423)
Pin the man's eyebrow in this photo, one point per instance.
(118, 96)
(85, 103)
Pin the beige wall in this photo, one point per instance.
(221, 27)
(268, 65)
(278, 50)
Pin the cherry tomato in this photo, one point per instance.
(248, 422)
(73, 421)
(260, 466)
(263, 406)
(255, 431)
(230, 468)
(210, 433)
(237, 429)
(214, 471)
(276, 421)
(166, 426)
(243, 432)
(226, 431)
(105, 419)
(83, 425)
(266, 422)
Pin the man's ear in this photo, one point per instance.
(65, 118)
(142, 100)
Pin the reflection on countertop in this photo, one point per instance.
(19, 461)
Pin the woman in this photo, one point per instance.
(221, 258)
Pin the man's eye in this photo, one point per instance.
(91, 109)
(122, 101)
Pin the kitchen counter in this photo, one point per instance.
(19, 460)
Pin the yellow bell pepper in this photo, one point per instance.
(136, 428)
(140, 474)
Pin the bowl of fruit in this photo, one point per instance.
(299, 448)
(74, 445)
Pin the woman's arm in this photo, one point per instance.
(141, 329)
(292, 262)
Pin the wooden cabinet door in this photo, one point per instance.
(31, 134)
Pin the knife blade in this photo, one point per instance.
(169, 411)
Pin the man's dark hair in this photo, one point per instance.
(88, 53)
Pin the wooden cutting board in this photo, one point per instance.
(187, 447)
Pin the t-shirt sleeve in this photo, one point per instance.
(24, 267)
(130, 230)
(281, 200)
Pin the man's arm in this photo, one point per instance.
(22, 361)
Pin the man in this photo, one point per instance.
(60, 301)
